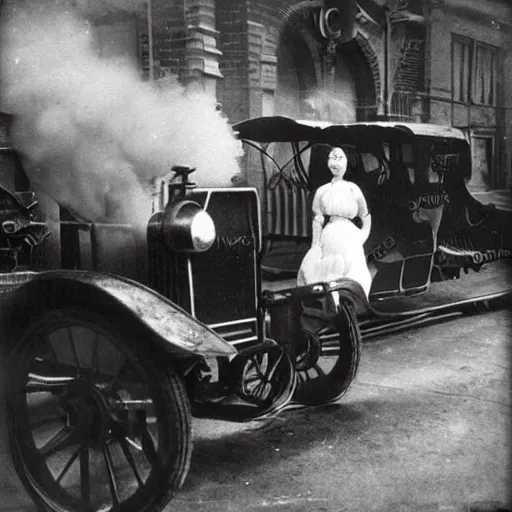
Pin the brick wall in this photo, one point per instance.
(410, 68)
(233, 90)
(488, 22)
(169, 36)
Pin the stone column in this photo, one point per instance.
(169, 37)
(202, 54)
(269, 71)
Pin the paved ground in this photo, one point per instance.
(425, 426)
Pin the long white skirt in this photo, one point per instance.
(339, 254)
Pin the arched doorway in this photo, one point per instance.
(296, 76)
(309, 87)
(354, 58)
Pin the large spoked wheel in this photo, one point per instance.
(263, 377)
(328, 356)
(95, 421)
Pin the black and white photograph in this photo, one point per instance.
(255, 255)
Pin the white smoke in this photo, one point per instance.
(97, 8)
(328, 106)
(92, 133)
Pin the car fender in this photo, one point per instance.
(352, 292)
(24, 293)
(347, 301)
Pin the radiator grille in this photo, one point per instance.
(221, 285)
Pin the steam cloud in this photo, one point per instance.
(329, 107)
(93, 134)
(97, 8)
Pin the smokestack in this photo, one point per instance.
(92, 134)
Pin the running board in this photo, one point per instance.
(381, 324)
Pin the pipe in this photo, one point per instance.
(387, 44)
(150, 41)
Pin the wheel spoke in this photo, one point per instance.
(116, 377)
(257, 367)
(305, 374)
(259, 390)
(130, 405)
(40, 383)
(147, 443)
(42, 388)
(273, 369)
(85, 481)
(73, 349)
(265, 378)
(69, 463)
(129, 457)
(149, 448)
(250, 380)
(65, 437)
(319, 370)
(135, 445)
(95, 359)
(84, 418)
(111, 475)
(329, 351)
(52, 349)
(301, 358)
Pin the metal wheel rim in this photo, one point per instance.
(319, 358)
(259, 380)
(120, 423)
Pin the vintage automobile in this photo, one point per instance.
(106, 358)
(426, 225)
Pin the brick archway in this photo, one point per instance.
(283, 17)
(296, 69)
(276, 13)
(373, 63)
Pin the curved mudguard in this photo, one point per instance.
(297, 311)
(350, 303)
(348, 290)
(174, 328)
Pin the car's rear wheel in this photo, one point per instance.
(327, 357)
(96, 422)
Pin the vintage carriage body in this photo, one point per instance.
(107, 357)
(426, 225)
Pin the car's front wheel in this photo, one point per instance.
(96, 422)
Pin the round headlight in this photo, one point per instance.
(187, 227)
(202, 231)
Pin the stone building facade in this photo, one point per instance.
(439, 61)
(473, 40)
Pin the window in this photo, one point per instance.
(474, 71)
(386, 148)
(370, 162)
(484, 89)
(461, 50)
(408, 160)
(482, 163)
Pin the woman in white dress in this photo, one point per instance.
(337, 246)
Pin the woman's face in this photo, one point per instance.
(337, 162)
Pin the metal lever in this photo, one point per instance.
(183, 172)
